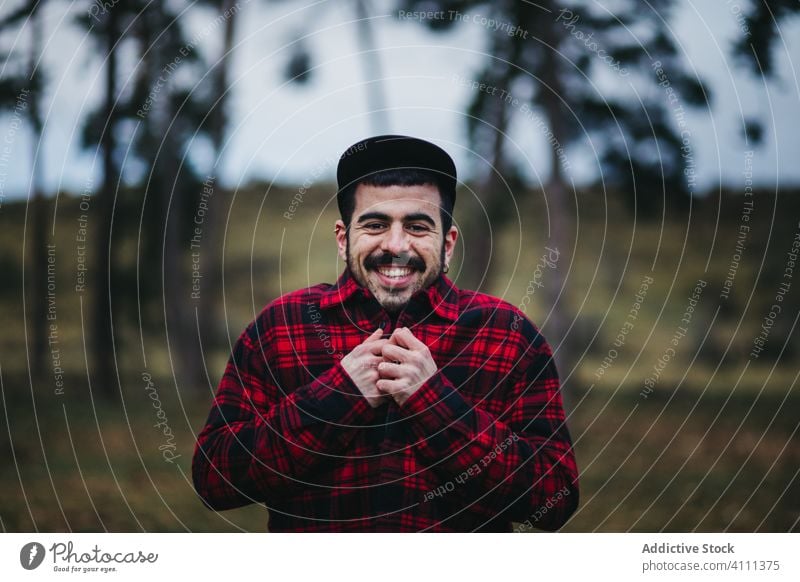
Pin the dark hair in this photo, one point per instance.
(346, 198)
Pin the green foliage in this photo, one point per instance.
(763, 19)
(557, 59)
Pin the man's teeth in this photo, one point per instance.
(395, 272)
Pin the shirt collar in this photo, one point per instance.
(441, 295)
(344, 288)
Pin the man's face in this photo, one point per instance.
(395, 245)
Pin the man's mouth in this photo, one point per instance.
(396, 273)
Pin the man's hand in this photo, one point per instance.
(362, 366)
(407, 365)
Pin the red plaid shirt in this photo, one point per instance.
(481, 444)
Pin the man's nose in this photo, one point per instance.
(395, 241)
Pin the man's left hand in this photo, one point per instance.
(407, 365)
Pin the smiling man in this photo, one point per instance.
(398, 246)
(391, 400)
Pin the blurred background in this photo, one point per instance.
(629, 178)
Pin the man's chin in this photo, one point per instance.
(392, 299)
(394, 296)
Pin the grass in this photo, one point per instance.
(674, 462)
(713, 448)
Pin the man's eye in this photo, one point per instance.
(373, 226)
(418, 228)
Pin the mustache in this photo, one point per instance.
(388, 259)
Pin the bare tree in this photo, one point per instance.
(21, 91)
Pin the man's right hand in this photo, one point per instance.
(362, 366)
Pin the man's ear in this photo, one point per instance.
(341, 239)
(450, 238)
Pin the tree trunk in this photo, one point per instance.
(102, 345)
(549, 96)
(181, 331)
(211, 329)
(479, 268)
(376, 98)
(39, 239)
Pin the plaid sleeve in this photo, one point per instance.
(260, 437)
(522, 459)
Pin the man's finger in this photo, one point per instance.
(404, 338)
(375, 346)
(393, 353)
(374, 335)
(390, 370)
(389, 386)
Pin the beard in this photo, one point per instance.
(394, 299)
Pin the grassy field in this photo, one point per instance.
(713, 446)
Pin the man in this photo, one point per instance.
(392, 400)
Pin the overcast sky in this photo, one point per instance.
(293, 133)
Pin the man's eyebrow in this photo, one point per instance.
(419, 216)
(415, 216)
(373, 216)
